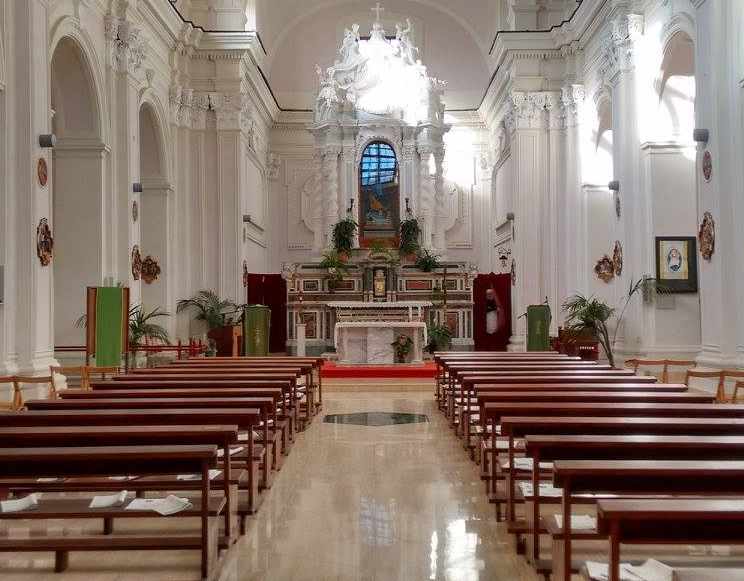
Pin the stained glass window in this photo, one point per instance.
(379, 165)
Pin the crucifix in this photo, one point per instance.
(377, 9)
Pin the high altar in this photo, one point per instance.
(379, 149)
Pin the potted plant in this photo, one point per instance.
(592, 316)
(440, 338)
(220, 315)
(343, 237)
(427, 261)
(402, 347)
(336, 267)
(410, 231)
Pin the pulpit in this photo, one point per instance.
(365, 331)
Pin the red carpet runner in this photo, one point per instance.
(425, 371)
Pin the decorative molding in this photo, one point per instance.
(129, 50)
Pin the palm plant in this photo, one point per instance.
(343, 235)
(211, 309)
(336, 267)
(410, 230)
(592, 315)
(427, 261)
(141, 326)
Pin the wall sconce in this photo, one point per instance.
(510, 216)
(700, 135)
(350, 209)
(614, 186)
(47, 140)
(408, 206)
(137, 188)
(247, 219)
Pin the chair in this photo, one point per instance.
(19, 381)
(102, 373)
(675, 363)
(79, 371)
(735, 374)
(696, 374)
(8, 379)
(636, 363)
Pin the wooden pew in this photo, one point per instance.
(83, 436)
(266, 407)
(552, 448)
(111, 460)
(666, 422)
(708, 521)
(246, 419)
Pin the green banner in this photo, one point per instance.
(256, 325)
(109, 314)
(538, 328)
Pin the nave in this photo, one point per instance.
(351, 503)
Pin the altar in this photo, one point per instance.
(365, 331)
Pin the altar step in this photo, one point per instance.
(425, 372)
(377, 384)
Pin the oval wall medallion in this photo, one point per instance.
(707, 236)
(136, 262)
(150, 269)
(135, 211)
(605, 269)
(618, 205)
(42, 172)
(44, 242)
(707, 165)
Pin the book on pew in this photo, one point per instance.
(233, 451)
(651, 570)
(523, 463)
(579, 522)
(108, 500)
(546, 489)
(164, 506)
(29, 502)
(212, 475)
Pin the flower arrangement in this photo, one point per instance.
(402, 347)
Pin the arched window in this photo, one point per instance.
(379, 192)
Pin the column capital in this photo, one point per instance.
(128, 48)
(572, 98)
(619, 43)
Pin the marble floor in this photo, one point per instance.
(353, 502)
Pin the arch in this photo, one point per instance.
(160, 120)
(379, 191)
(66, 28)
(78, 186)
(2, 61)
(675, 87)
(154, 207)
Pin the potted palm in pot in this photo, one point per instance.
(220, 316)
(343, 237)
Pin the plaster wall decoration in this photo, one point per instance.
(135, 211)
(42, 172)
(44, 242)
(707, 236)
(617, 258)
(150, 269)
(129, 48)
(605, 269)
(377, 90)
(514, 272)
(245, 274)
(707, 165)
(136, 262)
(618, 204)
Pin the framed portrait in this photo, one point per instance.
(676, 264)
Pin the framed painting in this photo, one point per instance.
(676, 264)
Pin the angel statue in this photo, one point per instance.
(405, 46)
(328, 99)
(350, 46)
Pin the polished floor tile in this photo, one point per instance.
(352, 503)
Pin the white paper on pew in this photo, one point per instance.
(651, 570)
(233, 451)
(122, 478)
(212, 475)
(546, 489)
(49, 480)
(29, 502)
(108, 500)
(523, 463)
(579, 522)
(164, 506)
(242, 437)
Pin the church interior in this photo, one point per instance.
(348, 290)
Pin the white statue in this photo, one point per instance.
(350, 46)
(405, 46)
(377, 33)
(327, 102)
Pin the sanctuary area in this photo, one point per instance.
(359, 290)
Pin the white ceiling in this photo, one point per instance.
(453, 36)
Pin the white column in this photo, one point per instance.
(529, 144)
(426, 195)
(440, 211)
(301, 344)
(28, 284)
(329, 172)
(553, 201)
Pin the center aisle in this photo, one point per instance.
(396, 502)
